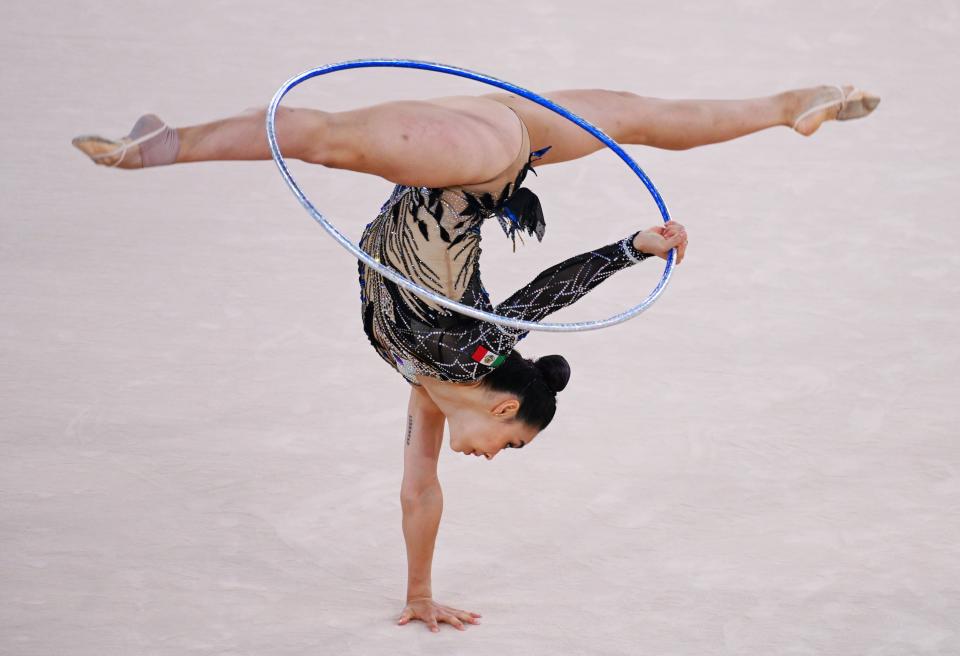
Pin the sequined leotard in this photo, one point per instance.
(432, 236)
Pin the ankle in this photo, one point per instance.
(191, 143)
(183, 136)
(790, 105)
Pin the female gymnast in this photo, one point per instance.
(456, 161)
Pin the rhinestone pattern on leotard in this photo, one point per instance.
(432, 236)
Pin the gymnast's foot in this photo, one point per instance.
(811, 107)
(151, 142)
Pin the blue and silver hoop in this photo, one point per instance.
(396, 276)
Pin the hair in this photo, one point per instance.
(535, 382)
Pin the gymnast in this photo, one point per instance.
(456, 161)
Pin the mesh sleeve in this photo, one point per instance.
(565, 283)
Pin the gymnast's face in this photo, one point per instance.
(485, 434)
(482, 422)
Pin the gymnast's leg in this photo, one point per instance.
(671, 124)
(446, 142)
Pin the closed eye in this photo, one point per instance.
(514, 446)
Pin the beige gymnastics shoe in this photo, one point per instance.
(851, 102)
(151, 142)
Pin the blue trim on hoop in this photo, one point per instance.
(395, 275)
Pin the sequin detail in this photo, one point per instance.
(432, 236)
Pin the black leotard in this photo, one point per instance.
(432, 236)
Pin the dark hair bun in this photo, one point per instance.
(555, 370)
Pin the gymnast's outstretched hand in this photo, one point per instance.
(430, 612)
(660, 239)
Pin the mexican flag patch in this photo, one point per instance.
(489, 358)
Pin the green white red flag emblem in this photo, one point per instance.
(487, 357)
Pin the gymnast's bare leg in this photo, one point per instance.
(462, 140)
(629, 118)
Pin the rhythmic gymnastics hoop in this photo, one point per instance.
(400, 279)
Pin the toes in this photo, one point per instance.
(96, 148)
(89, 145)
(859, 104)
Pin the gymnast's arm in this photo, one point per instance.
(420, 496)
(567, 282)
(422, 504)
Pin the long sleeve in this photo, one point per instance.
(565, 283)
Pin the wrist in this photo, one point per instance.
(419, 587)
(419, 595)
(632, 246)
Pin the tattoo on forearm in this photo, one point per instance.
(409, 428)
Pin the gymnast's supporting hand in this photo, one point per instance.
(660, 239)
(429, 611)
